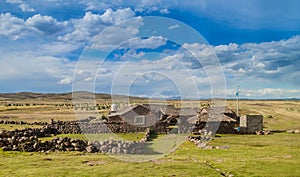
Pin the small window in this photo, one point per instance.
(139, 120)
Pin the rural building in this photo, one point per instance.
(220, 119)
(216, 119)
(137, 115)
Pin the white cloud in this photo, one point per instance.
(67, 80)
(17, 28)
(14, 1)
(224, 48)
(164, 11)
(275, 60)
(57, 48)
(115, 35)
(22, 5)
(26, 8)
(152, 42)
(91, 24)
(46, 24)
(103, 71)
(27, 66)
(173, 26)
(13, 27)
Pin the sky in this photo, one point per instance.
(159, 48)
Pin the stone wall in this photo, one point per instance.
(219, 127)
(27, 140)
(75, 127)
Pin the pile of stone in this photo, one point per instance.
(22, 122)
(263, 132)
(27, 140)
(146, 136)
(115, 147)
(24, 140)
(201, 140)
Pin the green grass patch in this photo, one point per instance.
(103, 136)
(248, 155)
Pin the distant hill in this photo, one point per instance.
(65, 96)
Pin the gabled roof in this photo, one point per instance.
(128, 108)
(224, 110)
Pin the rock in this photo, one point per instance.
(36, 145)
(75, 145)
(89, 149)
(114, 150)
(208, 147)
(15, 148)
(222, 147)
(6, 148)
(77, 149)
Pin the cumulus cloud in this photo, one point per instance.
(269, 60)
(92, 24)
(46, 24)
(16, 28)
(13, 27)
(115, 35)
(152, 42)
(141, 6)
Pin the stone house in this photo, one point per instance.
(137, 115)
(216, 119)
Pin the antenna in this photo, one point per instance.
(237, 100)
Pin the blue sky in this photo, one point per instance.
(255, 42)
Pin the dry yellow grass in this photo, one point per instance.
(278, 114)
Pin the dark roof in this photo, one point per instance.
(140, 109)
(214, 114)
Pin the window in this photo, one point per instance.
(139, 120)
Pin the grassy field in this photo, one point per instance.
(13, 127)
(105, 136)
(248, 155)
(278, 115)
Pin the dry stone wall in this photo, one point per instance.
(75, 127)
(28, 140)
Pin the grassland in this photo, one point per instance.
(248, 155)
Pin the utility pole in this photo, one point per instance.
(237, 100)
